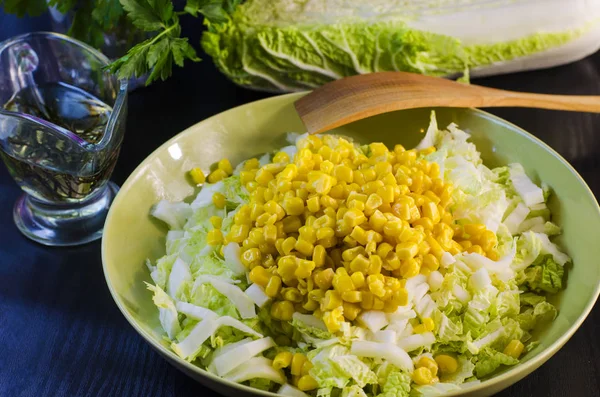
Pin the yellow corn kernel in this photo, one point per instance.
(238, 233)
(264, 176)
(313, 204)
(424, 247)
(197, 176)
(351, 310)
(303, 246)
(342, 283)
(281, 157)
(324, 278)
(393, 228)
(217, 175)
(386, 193)
(430, 210)
(259, 275)
(409, 268)
(369, 174)
(289, 172)
(343, 173)
(378, 149)
(325, 232)
(514, 348)
(488, 240)
(282, 310)
(331, 300)
(214, 237)
(308, 232)
(272, 207)
(354, 217)
(407, 250)
(357, 196)
(392, 262)
(242, 216)
(291, 224)
(278, 245)
(304, 269)
(218, 200)
(320, 182)
(392, 283)
(382, 168)
(475, 249)
(376, 263)
(310, 305)
(286, 266)
(291, 294)
(270, 234)
(352, 296)
(436, 249)
(257, 236)
(390, 306)
(288, 245)
(358, 280)
(359, 234)
(360, 264)
(425, 222)
(384, 249)
(216, 221)
(225, 165)
(282, 360)
(430, 262)
(367, 300)
(378, 304)
(329, 202)
(318, 256)
(446, 364)
(454, 248)
(376, 286)
(251, 164)
(273, 286)
(326, 166)
(399, 149)
(252, 186)
(400, 297)
(474, 229)
(293, 205)
(306, 367)
(298, 360)
(337, 191)
(351, 253)
(493, 255)
(333, 319)
(428, 324)
(422, 376)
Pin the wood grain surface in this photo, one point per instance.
(61, 333)
(344, 101)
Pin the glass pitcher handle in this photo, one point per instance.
(25, 61)
(25, 58)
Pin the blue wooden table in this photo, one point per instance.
(61, 333)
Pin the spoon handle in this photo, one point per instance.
(344, 101)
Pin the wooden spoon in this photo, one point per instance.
(353, 98)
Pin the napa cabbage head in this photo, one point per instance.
(289, 45)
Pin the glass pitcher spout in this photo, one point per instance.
(62, 119)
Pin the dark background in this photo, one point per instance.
(61, 333)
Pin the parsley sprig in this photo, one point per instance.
(157, 54)
(156, 21)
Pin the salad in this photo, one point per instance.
(329, 268)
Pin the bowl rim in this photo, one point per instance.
(528, 367)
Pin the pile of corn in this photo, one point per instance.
(337, 229)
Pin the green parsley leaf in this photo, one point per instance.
(148, 15)
(22, 7)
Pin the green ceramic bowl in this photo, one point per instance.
(131, 236)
